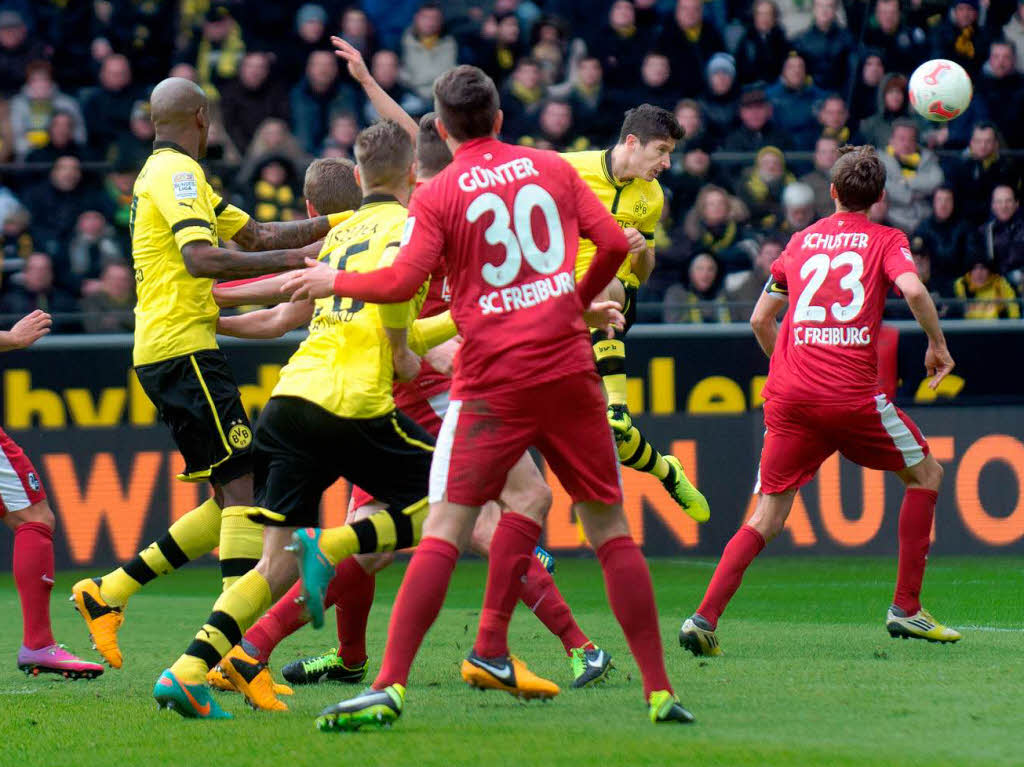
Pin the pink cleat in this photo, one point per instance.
(56, 660)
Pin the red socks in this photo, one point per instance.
(542, 596)
(509, 558)
(351, 592)
(33, 576)
(416, 607)
(631, 595)
(282, 620)
(736, 558)
(915, 531)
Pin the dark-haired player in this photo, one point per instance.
(506, 221)
(625, 180)
(823, 395)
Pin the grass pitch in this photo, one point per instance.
(809, 677)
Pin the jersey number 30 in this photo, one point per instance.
(519, 244)
(818, 267)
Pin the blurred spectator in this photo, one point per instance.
(59, 200)
(756, 127)
(892, 106)
(93, 245)
(497, 52)
(273, 195)
(119, 187)
(251, 98)
(979, 172)
(923, 261)
(318, 96)
(550, 46)
(218, 50)
(108, 107)
(356, 29)
(310, 25)
(33, 107)
(961, 38)
(134, 147)
(794, 100)
(33, 288)
(60, 140)
(592, 106)
(108, 309)
(833, 117)
(17, 51)
(384, 68)
(655, 83)
(620, 45)
(390, 19)
(1001, 87)
(142, 31)
(701, 299)
(344, 129)
(827, 48)
(185, 71)
(866, 91)
(826, 152)
(903, 47)
(763, 46)
(521, 98)
(721, 101)
(1000, 240)
(746, 287)
(689, 43)
(715, 225)
(272, 138)
(912, 175)
(945, 235)
(1014, 32)
(8, 203)
(989, 296)
(690, 117)
(879, 213)
(760, 187)
(692, 169)
(798, 210)
(15, 244)
(554, 129)
(426, 50)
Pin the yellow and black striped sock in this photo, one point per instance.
(194, 534)
(381, 531)
(610, 356)
(637, 453)
(241, 544)
(233, 613)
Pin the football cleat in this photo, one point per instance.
(506, 673)
(546, 558)
(690, 499)
(372, 707)
(920, 625)
(697, 636)
(327, 667)
(192, 701)
(251, 677)
(101, 619)
(665, 707)
(315, 571)
(589, 666)
(55, 659)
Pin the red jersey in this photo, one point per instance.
(837, 273)
(428, 382)
(506, 222)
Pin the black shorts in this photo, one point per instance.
(302, 449)
(628, 312)
(197, 397)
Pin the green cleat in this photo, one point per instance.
(589, 666)
(689, 498)
(378, 708)
(665, 707)
(192, 701)
(327, 667)
(315, 571)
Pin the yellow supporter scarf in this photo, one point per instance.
(964, 44)
(273, 202)
(505, 58)
(226, 67)
(842, 135)
(908, 162)
(429, 41)
(716, 245)
(528, 96)
(693, 33)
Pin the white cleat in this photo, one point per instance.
(920, 625)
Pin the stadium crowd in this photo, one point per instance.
(766, 91)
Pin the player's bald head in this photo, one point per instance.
(175, 101)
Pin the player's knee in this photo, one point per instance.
(933, 474)
(539, 498)
(39, 513)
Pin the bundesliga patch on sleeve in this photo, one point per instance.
(185, 186)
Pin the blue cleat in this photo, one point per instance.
(192, 701)
(315, 571)
(546, 558)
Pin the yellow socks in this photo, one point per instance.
(241, 544)
(193, 535)
(637, 453)
(610, 354)
(381, 531)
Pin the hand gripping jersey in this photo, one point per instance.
(173, 205)
(837, 273)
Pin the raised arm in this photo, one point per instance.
(26, 331)
(266, 323)
(203, 259)
(937, 360)
(386, 106)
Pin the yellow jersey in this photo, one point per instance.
(635, 203)
(173, 205)
(345, 364)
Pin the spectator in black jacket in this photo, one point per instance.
(945, 236)
(870, 75)
(93, 245)
(144, 32)
(1001, 239)
(316, 97)
(721, 101)
(385, 66)
(826, 152)
(794, 100)
(134, 147)
(655, 83)
(961, 38)
(34, 288)
(496, 52)
(108, 107)
(251, 98)
(62, 141)
(827, 48)
(1002, 88)
(57, 203)
(620, 45)
(763, 46)
(979, 172)
(689, 43)
(17, 50)
(555, 129)
(756, 127)
(892, 106)
(109, 308)
(903, 47)
(521, 99)
(593, 108)
(833, 119)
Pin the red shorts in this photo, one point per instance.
(481, 440)
(19, 481)
(427, 412)
(800, 436)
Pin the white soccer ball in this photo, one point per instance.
(940, 90)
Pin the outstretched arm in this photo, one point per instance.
(266, 323)
(263, 290)
(386, 106)
(937, 360)
(279, 235)
(26, 331)
(205, 260)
